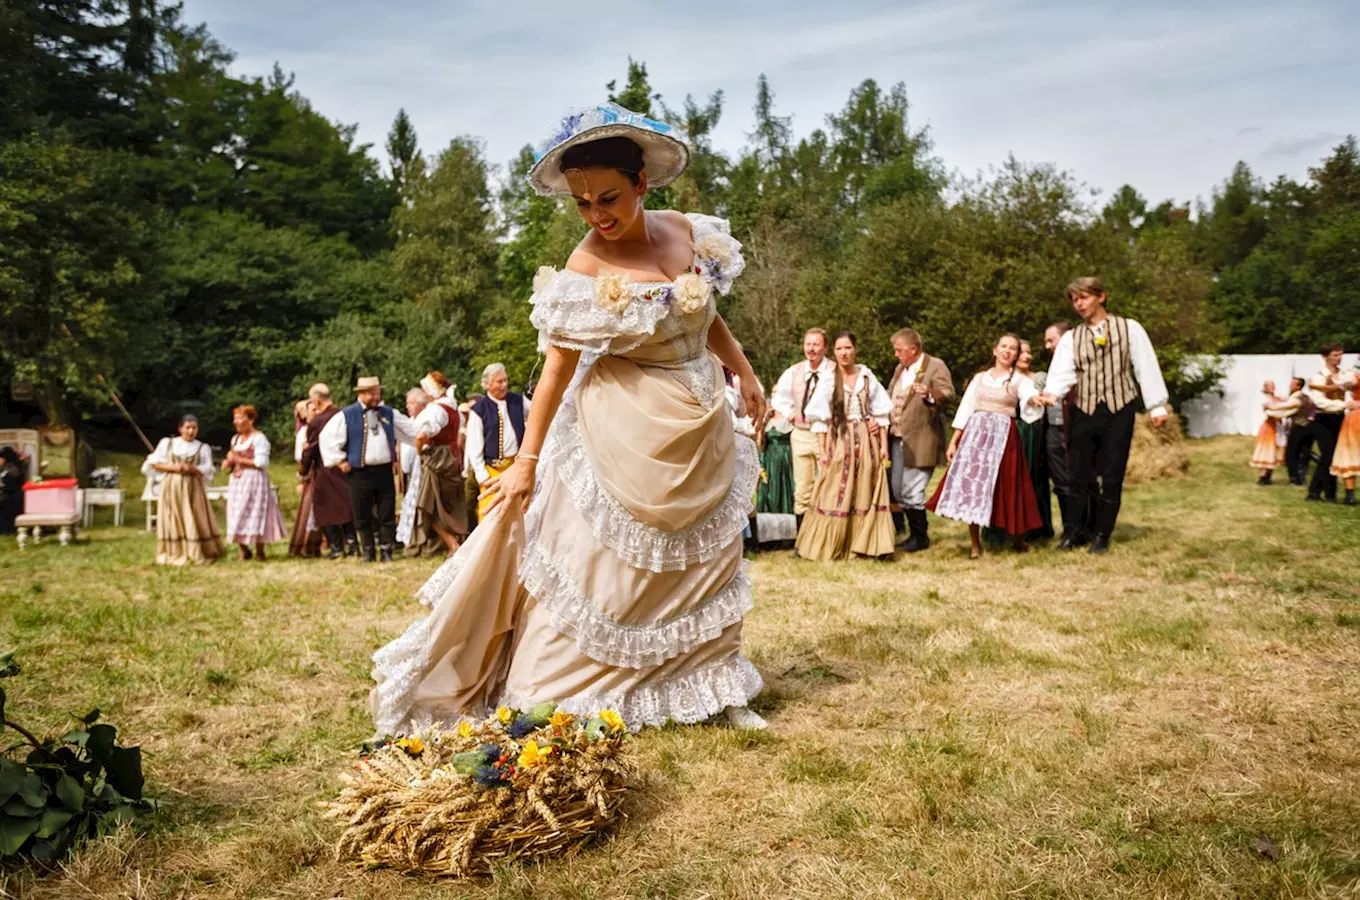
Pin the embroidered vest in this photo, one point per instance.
(1104, 373)
(356, 435)
(490, 414)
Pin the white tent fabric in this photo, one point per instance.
(1238, 411)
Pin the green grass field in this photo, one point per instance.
(1038, 725)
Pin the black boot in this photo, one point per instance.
(335, 536)
(1100, 544)
(1265, 478)
(899, 523)
(370, 553)
(385, 554)
(1072, 539)
(919, 538)
(1350, 497)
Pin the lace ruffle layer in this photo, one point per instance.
(630, 646)
(687, 700)
(397, 669)
(640, 545)
(434, 587)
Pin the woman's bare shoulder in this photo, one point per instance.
(583, 260)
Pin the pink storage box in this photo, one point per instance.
(50, 497)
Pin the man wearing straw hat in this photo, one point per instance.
(362, 443)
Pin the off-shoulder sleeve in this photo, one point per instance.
(717, 255)
(566, 315)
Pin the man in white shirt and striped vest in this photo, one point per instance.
(1110, 361)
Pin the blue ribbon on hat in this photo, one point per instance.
(579, 121)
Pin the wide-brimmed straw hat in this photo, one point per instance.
(664, 153)
(368, 383)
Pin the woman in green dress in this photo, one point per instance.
(776, 465)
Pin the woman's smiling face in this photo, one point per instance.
(607, 199)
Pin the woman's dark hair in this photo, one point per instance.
(185, 420)
(606, 153)
(839, 423)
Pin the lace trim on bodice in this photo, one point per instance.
(567, 314)
(630, 646)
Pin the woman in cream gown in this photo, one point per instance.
(609, 574)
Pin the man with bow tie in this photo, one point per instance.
(362, 443)
(793, 398)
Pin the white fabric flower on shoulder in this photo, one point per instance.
(717, 257)
(544, 275)
(715, 247)
(692, 292)
(612, 293)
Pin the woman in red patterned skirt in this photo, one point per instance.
(988, 481)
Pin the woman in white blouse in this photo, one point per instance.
(988, 479)
(849, 512)
(186, 529)
(253, 515)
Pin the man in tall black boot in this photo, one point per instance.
(1110, 361)
(362, 443)
(1327, 390)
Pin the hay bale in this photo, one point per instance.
(1157, 452)
(456, 803)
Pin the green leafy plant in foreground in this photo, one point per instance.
(67, 790)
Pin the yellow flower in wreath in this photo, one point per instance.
(613, 720)
(561, 720)
(531, 756)
(505, 715)
(465, 729)
(414, 746)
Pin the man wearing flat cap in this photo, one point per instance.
(362, 443)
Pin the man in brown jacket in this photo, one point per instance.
(920, 389)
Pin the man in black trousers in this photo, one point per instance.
(1110, 361)
(1328, 393)
(362, 443)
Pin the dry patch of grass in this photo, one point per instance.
(1037, 725)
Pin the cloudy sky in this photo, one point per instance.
(1164, 94)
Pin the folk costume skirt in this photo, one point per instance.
(776, 486)
(850, 503)
(440, 499)
(186, 527)
(253, 515)
(1346, 457)
(988, 483)
(1269, 450)
(306, 539)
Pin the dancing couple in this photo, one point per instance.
(608, 570)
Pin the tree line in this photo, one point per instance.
(197, 240)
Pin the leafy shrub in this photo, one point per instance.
(67, 790)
